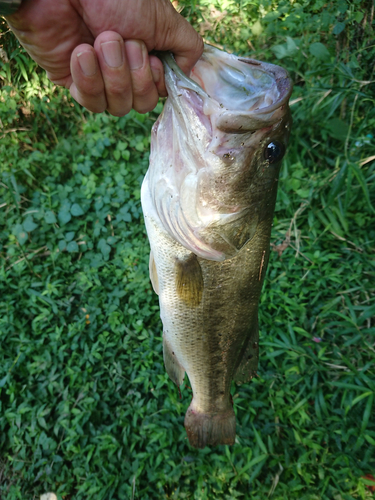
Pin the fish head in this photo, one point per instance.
(218, 151)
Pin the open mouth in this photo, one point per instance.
(250, 86)
(235, 95)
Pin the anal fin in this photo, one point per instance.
(175, 371)
(153, 273)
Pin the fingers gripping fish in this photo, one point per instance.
(208, 200)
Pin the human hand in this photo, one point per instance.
(116, 75)
(65, 36)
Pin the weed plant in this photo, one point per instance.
(86, 408)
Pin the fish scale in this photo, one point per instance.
(207, 264)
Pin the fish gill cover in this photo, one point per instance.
(208, 200)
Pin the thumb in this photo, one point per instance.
(180, 38)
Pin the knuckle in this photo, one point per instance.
(91, 89)
(95, 104)
(117, 89)
(145, 107)
(95, 110)
(142, 89)
(93, 107)
(118, 111)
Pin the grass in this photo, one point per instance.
(86, 408)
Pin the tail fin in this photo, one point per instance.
(205, 429)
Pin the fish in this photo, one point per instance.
(208, 200)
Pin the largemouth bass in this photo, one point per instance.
(208, 200)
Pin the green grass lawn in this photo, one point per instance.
(86, 408)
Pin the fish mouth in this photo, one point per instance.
(259, 92)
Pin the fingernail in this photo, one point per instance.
(87, 61)
(134, 51)
(112, 53)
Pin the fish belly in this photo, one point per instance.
(209, 312)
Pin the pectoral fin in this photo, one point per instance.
(172, 366)
(189, 280)
(248, 363)
(153, 274)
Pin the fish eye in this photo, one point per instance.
(274, 151)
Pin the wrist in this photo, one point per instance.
(8, 7)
